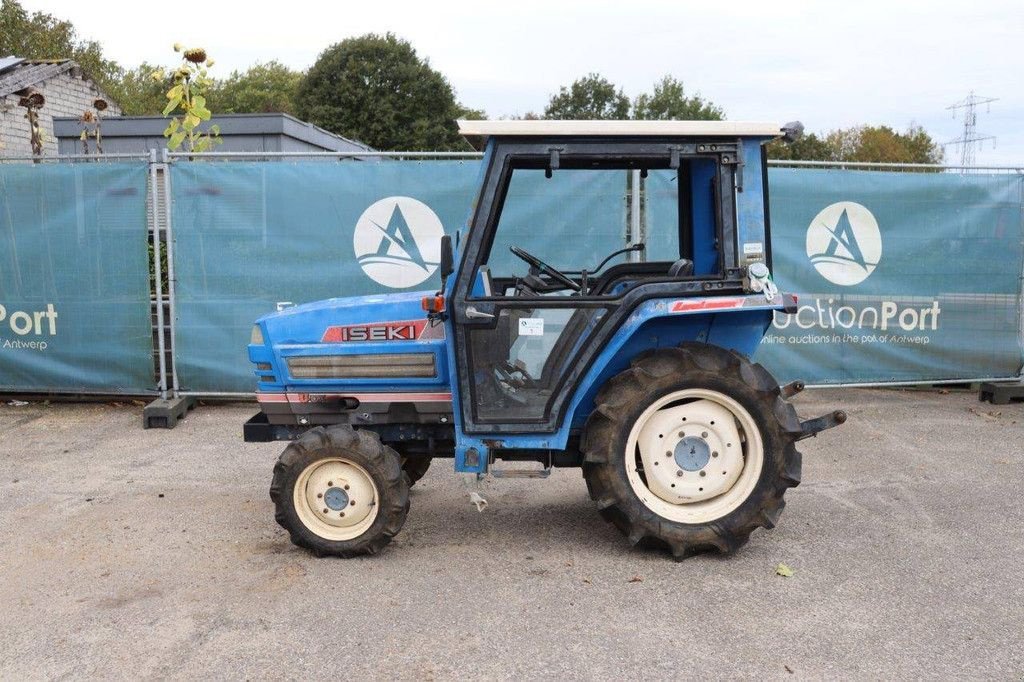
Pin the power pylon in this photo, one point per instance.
(970, 140)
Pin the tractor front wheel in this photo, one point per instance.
(415, 468)
(691, 448)
(340, 492)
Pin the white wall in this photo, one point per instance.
(66, 95)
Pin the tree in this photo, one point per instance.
(590, 97)
(882, 144)
(669, 102)
(138, 93)
(43, 36)
(269, 87)
(376, 89)
(872, 144)
(807, 147)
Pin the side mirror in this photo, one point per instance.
(792, 131)
(447, 257)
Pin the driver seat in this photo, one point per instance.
(681, 268)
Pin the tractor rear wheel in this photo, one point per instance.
(691, 448)
(340, 492)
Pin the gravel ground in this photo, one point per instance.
(128, 553)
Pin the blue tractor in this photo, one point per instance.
(634, 368)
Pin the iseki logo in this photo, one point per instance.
(381, 331)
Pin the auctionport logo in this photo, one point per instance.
(32, 326)
(844, 243)
(397, 241)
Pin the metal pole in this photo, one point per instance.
(170, 270)
(77, 157)
(894, 166)
(634, 218)
(1020, 308)
(328, 155)
(157, 274)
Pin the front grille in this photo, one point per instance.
(363, 366)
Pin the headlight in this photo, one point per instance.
(257, 336)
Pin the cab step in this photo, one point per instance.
(522, 472)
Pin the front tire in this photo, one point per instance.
(340, 492)
(691, 448)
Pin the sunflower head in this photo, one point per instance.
(196, 55)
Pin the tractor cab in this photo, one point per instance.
(598, 311)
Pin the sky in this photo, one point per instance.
(828, 64)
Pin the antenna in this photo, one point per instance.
(970, 140)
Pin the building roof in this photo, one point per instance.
(475, 130)
(17, 73)
(143, 127)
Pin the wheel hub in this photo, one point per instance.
(692, 453)
(335, 498)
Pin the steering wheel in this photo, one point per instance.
(545, 268)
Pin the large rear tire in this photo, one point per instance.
(691, 448)
(340, 492)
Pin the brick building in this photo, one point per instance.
(68, 92)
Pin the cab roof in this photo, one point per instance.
(476, 131)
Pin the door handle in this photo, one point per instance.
(478, 314)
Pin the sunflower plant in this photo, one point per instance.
(186, 102)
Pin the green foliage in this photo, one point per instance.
(873, 144)
(376, 89)
(138, 93)
(269, 87)
(590, 97)
(807, 147)
(669, 102)
(42, 36)
(186, 100)
(595, 97)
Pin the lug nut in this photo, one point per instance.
(704, 434)
(352, 503)
(341, 514)
(714, 454)
(703, 473)
(679, 473)
(668, 454)
(330, 483)
(325, 510)
(319, 495)
(346, 486)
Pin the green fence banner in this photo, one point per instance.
(902, 277)
(74, 279)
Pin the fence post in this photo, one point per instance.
(168, 409)
(154, 229)
(168, 226)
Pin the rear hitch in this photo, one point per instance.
(791, 389)
(812, 427)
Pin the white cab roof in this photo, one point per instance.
(481, 129)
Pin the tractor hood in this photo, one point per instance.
(309, 323)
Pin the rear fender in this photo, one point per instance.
(740, 329)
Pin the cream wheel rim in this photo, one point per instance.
(336, 499)
(700, 452)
